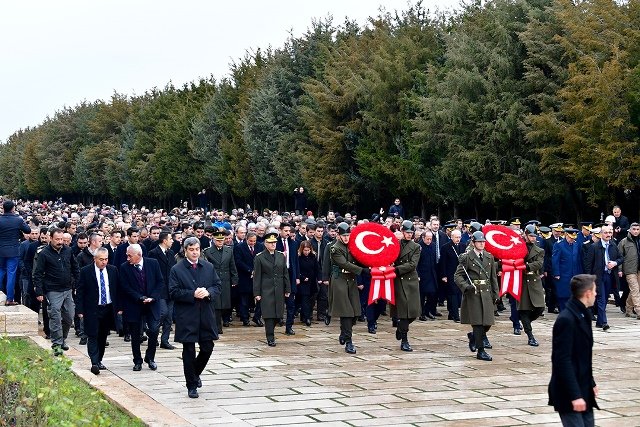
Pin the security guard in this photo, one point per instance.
(531, 304)
(407, 287)
(344, 296)
(477, 280)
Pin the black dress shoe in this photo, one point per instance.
(199, 385)
(307, 322)
(517, 331)
(226, 324)
(472, 342)
(423, 318)
(431, 316)
(486, 343)
(341, 340)
(349, 348)
(483, 355)
(532, 341)
(404, 346)
(143, 338)
(394, 323)
(271, 343)
(456, 319)
(371, 329)
(64, 346)
(83, 341)
(289, 331)
(137, 367)
(220, 331)
(437, 314)
(106, 343)
(167, 346)
(605, 327)
(361, 318)
(193, 393)
(127, 338)
(280, 323)
(245, 323)
(327, 320)
(152, 365)
(95, 369)
(101, 366)
(258, 322)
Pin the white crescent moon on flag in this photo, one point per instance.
(489, 237)
(360, 244)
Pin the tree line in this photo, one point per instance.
(502, 106)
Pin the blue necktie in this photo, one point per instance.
(103, 290)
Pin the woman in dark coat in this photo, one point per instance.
(271, 284)
(309, 278)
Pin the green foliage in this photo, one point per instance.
(37, 389)
(504, 103)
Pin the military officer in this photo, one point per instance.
(407, 287)
(271, 284)
(344, 297)
(477, 280)
(221, 256)
(531, 304)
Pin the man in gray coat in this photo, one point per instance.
(221, 256)
(477, 280)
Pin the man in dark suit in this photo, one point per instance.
(319, 245)
(194, 285)
(112, 246)
(572, 389)
(97, 304)
(602, 260)
(120, 255)
(244, 253)
(289, 247)
(141, 284)
(428, 273)
(11, 228)
(449, 254)
(167, 259)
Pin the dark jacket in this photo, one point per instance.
(225, 266)
(244, 265)
(195, 318)
(427, 268)
(271, 282)
(449, 254)
(477, 302)
(88, 297)
(166, 261)
(131, 296)
(571, 358)
(55, 271)
(344, 298)
(566, 262)
(407, 287)
(309, 274)
(293, 260)
(11, 228)
(84, 258)
(594, 261)
(629, 249)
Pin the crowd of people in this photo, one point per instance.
(142, 272)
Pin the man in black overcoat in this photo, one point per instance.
(167, 259)
(97, 305)
(194, 286)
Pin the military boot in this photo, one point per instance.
(483, 355)
(486, 343)
(349, 348)
(404, 345)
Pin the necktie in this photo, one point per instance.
(139, 267)
(437, 246)
(194, 266)
(103, 289)
(606, 257)
(480, 256)
(286, 251)
(251, 250)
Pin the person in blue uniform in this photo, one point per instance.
(566, 262)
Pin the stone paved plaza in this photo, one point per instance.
(309, 379)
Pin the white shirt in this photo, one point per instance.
(106, 283)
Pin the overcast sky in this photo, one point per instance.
(57, 53)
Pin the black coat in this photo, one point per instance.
(244, 265)
(449, 254)
(131, 297)
(166, 261)
(571, 358)
(309, 274)
(195, 318)
(88, 295)
(594, 261)
(293, 261)
(427, 268)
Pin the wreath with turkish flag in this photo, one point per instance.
(375, 246)
(510, 248)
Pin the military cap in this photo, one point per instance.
(271, 236)
(534, 222)
(407, 226)
(220, 233)
(450, 226)
(515, 221)
(545, 231)
(596, 231)
(586, 225)
(558, 226)
(343, 229)
(478, 236)
(571, 232)
(530, 229)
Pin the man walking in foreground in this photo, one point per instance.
(572, 389)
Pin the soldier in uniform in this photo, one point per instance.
(343, 291)
(407, 287)
(221, 256)
(271, 284)
(477, 280)
(531, 304)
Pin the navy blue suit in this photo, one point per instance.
(244, 264)
(606, 281)
(428, 272)
(135, 311)
(566, 262)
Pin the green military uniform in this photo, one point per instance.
(407, 286)
(344, 297)
(531, 304)
(271, 282)
(225, 265)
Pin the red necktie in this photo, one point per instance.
(251, 250)
(194, 266)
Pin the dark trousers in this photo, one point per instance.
(577, 419)
(270, 328)
(136, 338)
(323, 301)
(403, 325)
(194, 365)
(346, 328)
(603, 291)
(528, 316)
(374, 311)
(290, 303)
(480, 333)
(45, 317)
(97, 343)
(550, 292)
(166, 319)
(515, 317)
(307, 306)
(429, 302)
(78, 323)
(562, 302)
(454, 299)
(246, 300)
